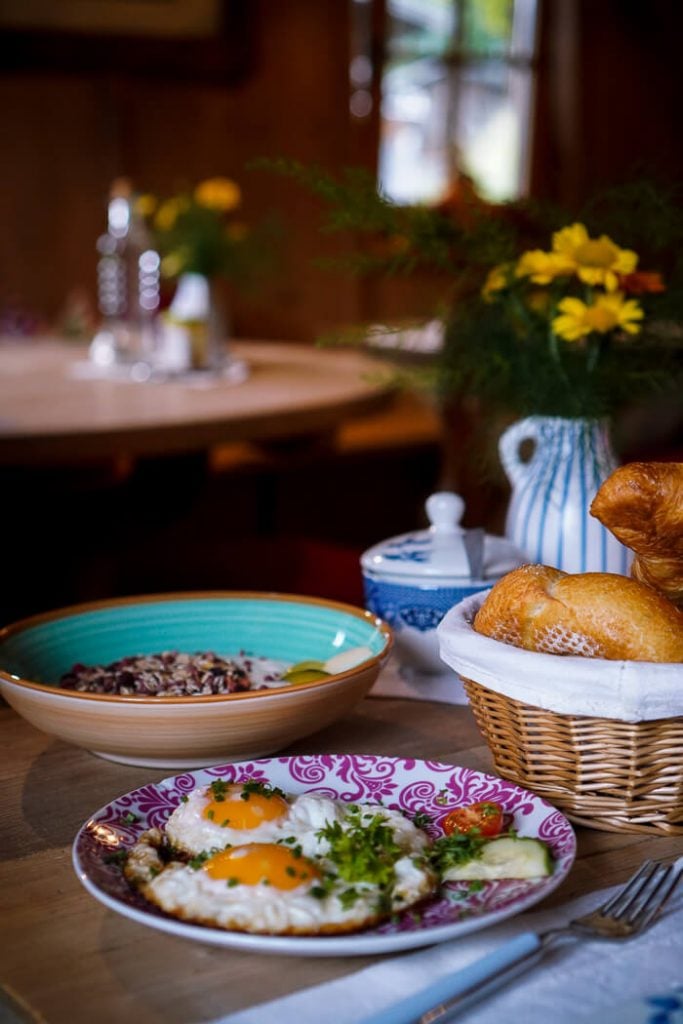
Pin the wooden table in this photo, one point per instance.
(52, 409)
(98, 466)
(70, 960)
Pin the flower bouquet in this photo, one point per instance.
(580, 328)
(199, 231)
(202, 240)
(567, 331)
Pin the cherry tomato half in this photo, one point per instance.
(484, 817)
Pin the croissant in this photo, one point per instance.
(641, 503)
(592, 614)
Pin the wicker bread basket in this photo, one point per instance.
(603, 741)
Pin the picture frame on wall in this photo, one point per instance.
(206, 40)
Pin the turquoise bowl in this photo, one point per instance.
(180, 732)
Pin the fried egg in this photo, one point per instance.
(313, 866)
(227, 814)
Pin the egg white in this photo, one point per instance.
(188, 830)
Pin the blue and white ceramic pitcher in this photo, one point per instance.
(548, 516)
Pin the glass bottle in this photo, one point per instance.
(127, 284)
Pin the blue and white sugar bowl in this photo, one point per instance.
(412, 580)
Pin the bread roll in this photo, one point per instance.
(592, 614)
(641, 503)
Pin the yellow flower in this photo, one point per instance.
(597, 261)
(218, 194)
(174, 263)
(167, 214)
(538, 300)
(542, 267)
(577, 319)
(146, 204)
(497, 279)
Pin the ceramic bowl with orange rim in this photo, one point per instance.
(173, 731)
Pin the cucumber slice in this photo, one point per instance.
(505, 858)
(310, 671)
(305, 672)
(305, 666)
(305, 675)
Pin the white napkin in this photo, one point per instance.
(396, 680)
(590, 980)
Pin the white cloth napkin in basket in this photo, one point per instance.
(592, 980)
(628, 691)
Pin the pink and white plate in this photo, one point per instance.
(425, 787)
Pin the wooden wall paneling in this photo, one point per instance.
(216, 46)
(54, 180)
(632, 90)
(609, 96)
(69, 135)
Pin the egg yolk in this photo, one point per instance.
(256, 863)
(245, 811)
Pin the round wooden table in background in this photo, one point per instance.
(53, 410)
(110, 486)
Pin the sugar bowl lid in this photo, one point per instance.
(444, 551)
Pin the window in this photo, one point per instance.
(457, 95)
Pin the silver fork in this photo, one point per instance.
(627, 913)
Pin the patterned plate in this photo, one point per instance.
(406, 784)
